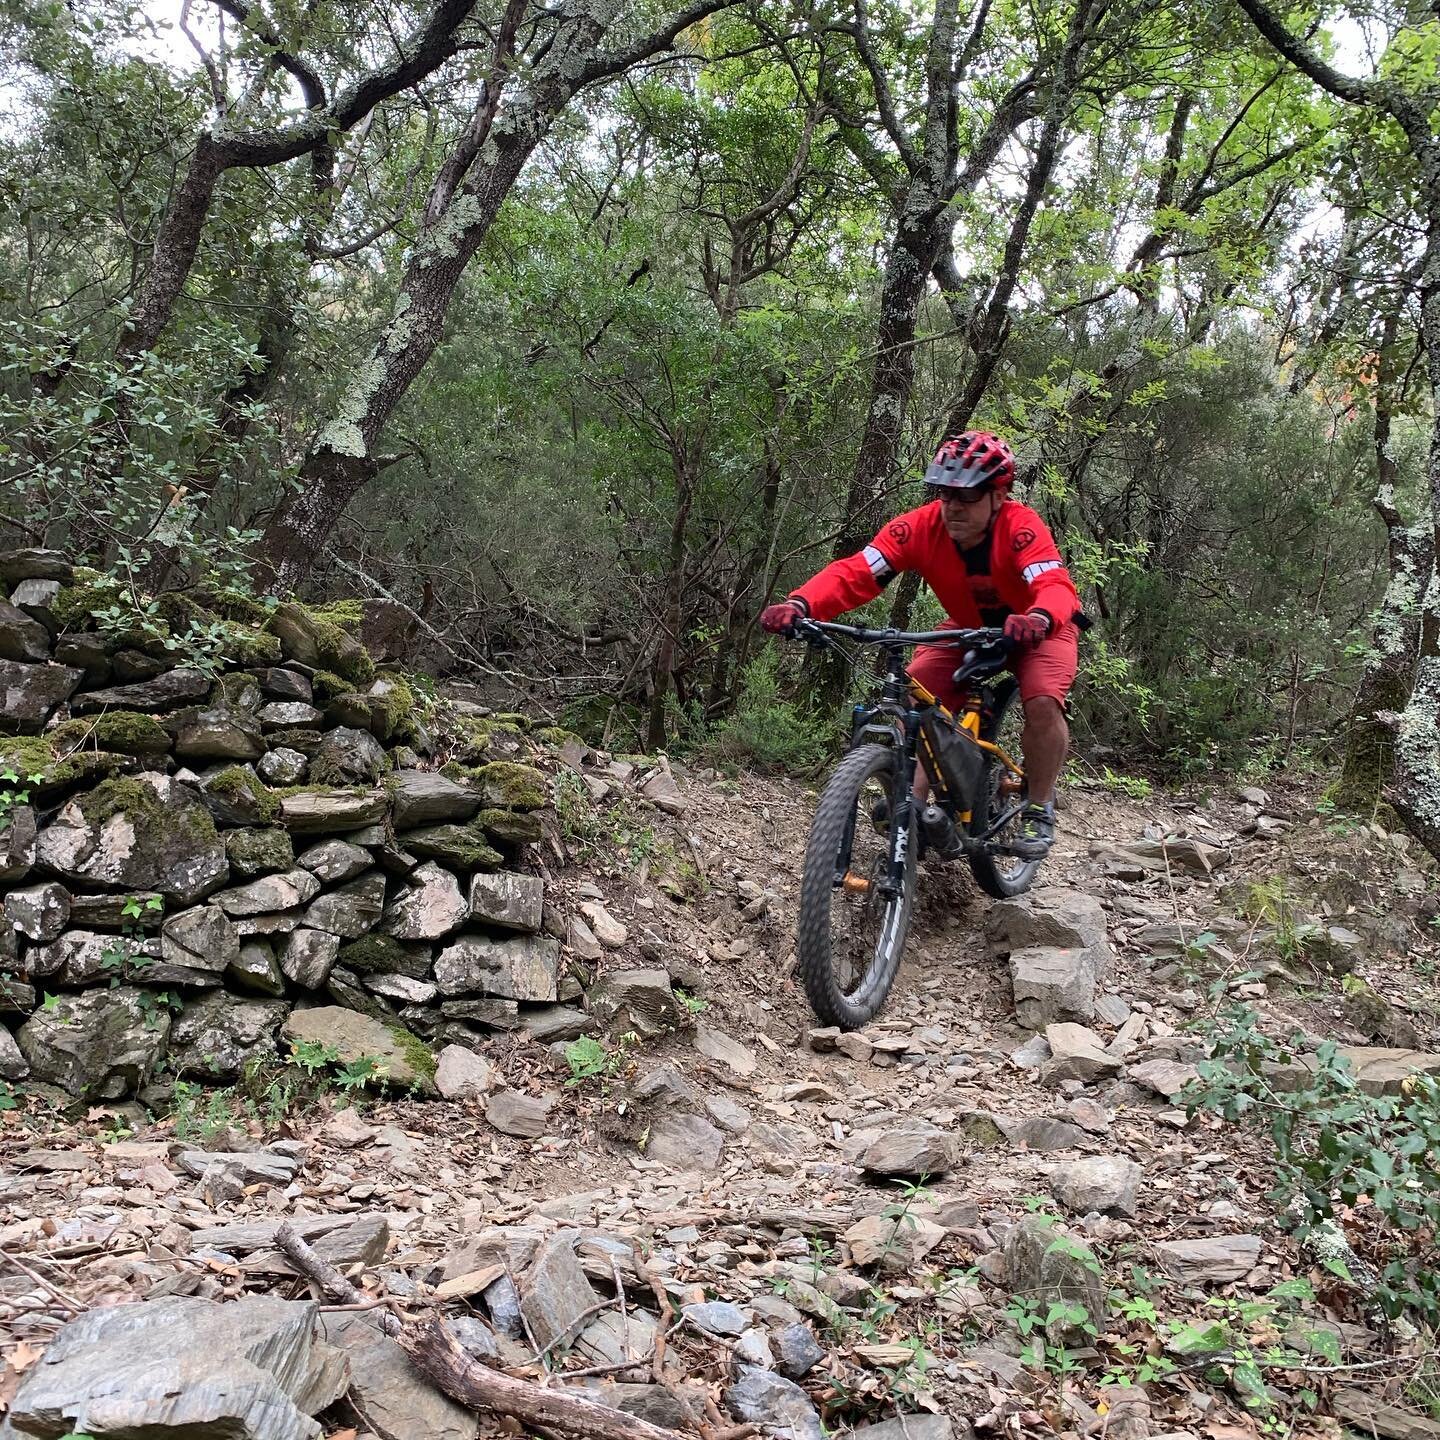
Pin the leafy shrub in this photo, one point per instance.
(766, 730)
(1337, 1148)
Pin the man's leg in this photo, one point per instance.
(1045, 741)
(1046, 672)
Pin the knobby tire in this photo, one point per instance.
(818, 894)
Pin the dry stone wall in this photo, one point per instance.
(298, 845)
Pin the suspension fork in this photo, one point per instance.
(902, 807)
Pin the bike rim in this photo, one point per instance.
(867, 926)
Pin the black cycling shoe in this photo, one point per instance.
(1035, 832)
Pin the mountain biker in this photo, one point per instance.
(990, 561)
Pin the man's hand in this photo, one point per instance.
(1029, 628)
(780, 619)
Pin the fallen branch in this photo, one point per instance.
(437, 1356)
(69, 1301)
(478, 1387)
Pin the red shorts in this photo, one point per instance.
(1044, 669)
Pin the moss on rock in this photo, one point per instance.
(461, 847)
(259, 852)
(327, 686)
(128, 731)
(373, 954)
(394, 709)
(348, 614)
(246, 645)
(511, 828)
(417, 1054)
(234, 784)
(507, 785)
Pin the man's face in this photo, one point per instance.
(966, 524)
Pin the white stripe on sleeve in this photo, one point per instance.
(880, 567)
(1032, 572)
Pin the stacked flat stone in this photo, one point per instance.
(188, 860)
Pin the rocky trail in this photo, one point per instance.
(985, 1214)
(377, 1064)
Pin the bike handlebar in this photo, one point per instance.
(976, 639)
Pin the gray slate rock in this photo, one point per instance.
(507, 900)
(29, 693)
(103, 1043)
(168, 691)
(512, 1112)
(22, 637)
(1211, 1260)
(1108, 1184)
(524, 968)
(257, 969)
(31, 562)
(13, 1064)
(797, 1352)
(716, 1317)
(217, 1035)
(251, 1369)
(284, 715)
(390, 1397)
(1052, 984)
(910, 1427)
(169, 844)
(422, 797)
(282, 766)
(685, 1142)
(308, 957)
(908, 1154)
(39, 912)
(358, 1036)
(221, 733)
(349, 757)
(17, 845)
(333, 862)
(638, 1000)
(351, 911)
(200, 938)
(328, 811)
(269, 893)
(432, 908)
(1049, 1274)
(764, 1398)
(554, 1293)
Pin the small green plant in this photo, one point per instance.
(694, 1004)
(312, 1056)
(14, 792)
(591, 1059)
(767, 730)
(1034, 1322)
(8, 1100)
(1136, 787)
(1336, 1147)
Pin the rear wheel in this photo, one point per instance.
(852, 922)
(1001, 875)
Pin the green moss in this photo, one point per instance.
(511, 720)
(234, 605)
(87, 592)
(316, 640)
(462, 847)
(418, 1055)
(236, 783)
(509, 786)
(348, 614)
(373, 954)
(127, 731)
(29, 755)
(556, 737)
(393, 710)
(327, 686)
(981, 1131)
(259, 852)
(114, 797)
(245, 645)
(180, 612)
(511, 828)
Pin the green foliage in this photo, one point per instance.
(590, 1059)
(15, 791)
(768, 731)
(1336, 1147)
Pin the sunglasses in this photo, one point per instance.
(944, 493)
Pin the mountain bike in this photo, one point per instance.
(858, 885)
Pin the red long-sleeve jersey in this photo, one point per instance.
(1018, 569)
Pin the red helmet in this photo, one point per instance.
(973, 460)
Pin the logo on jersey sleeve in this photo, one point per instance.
(899, 531)
(1023, 539)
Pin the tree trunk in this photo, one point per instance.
(463, 202)
(1417, 738)
(1390, 670)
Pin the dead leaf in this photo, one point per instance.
(350, 1434)
(24, 1355)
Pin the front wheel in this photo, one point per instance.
(854, 913)
(1001, 875)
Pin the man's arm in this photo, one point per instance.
(1042, 571)
(844, 584)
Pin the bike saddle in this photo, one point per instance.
(987, 660)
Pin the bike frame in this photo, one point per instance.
(894, 720)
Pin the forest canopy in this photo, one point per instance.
(586, 329)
